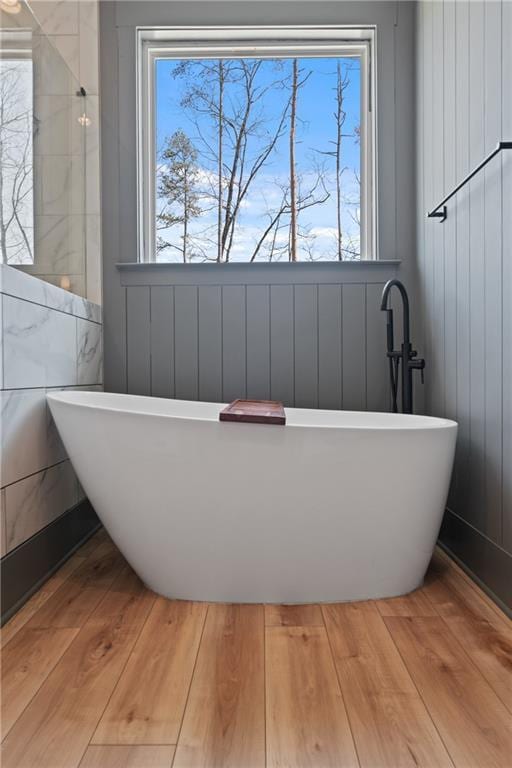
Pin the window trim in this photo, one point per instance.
(267, 42)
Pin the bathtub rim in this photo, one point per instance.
(397, 421)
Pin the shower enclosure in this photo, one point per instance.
(48, 152)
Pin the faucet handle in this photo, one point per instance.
(419, 365)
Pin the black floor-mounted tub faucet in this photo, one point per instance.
(406, 356)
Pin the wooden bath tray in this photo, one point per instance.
(254, 412)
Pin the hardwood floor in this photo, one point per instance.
(98, 672)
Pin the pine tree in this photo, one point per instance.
(178, 188)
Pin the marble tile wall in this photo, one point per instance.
(49, 339)
(67, 154)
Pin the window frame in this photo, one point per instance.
(265, 42)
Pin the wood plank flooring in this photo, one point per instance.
(98, 672)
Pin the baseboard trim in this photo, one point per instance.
(483, 560)
(26, 568)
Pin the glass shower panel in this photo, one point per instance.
(43, 125)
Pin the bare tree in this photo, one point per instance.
(220, 138)
(315, 195)
(244, 137)
(293, 178)
(16, 217)
(238, 133)
(238, 125)
(245, 171)
(352, 251)
(206, 82)
(340, 116)
(298, 79)
(342, 83)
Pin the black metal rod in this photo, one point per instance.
(435, 213)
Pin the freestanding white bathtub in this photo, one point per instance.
(334, 506)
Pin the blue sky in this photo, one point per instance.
(316, 128)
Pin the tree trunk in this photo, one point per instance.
(220, 159)
(185, 217)
(237, 162)
(339, 126)
(293, 178)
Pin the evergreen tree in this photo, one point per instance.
(178, 188)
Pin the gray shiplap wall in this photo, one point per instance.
(464, 78)
(303, 335)
(310, 345)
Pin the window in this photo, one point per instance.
(256, 145)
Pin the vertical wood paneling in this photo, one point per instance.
(493, 277)
(306, 346)
(233, 342)
(427, 282)
(138, 350)
(438, 189)
(506, 255)
(162, 341)
(464, 78)
(281, 344)
(492, 75)
(449, 226)
(462, 256)
(186, 342)
(377, 388)
(302, 344)
(420, 148)
(329, 347)
(210, 343)
(354, 347)
(258, 341)
(475, 509)
(421, 223)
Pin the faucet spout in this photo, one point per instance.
(405, 303)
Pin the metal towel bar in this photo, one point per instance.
(436, 213)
